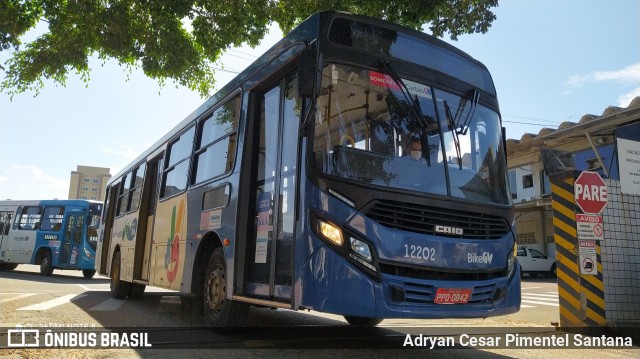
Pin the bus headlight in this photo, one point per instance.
(330, 232)
(361, 248)
(88, 254)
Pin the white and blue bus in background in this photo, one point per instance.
(55, 234)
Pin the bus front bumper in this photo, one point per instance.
(331, 284)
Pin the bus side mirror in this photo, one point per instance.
(307, 73)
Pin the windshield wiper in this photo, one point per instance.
(475, 97)
(415, 104)
(454, 131)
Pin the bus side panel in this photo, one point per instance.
(124, 232)
(52, 245)
(169, 243)
(21, 246)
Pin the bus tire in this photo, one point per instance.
(136, 291)
(362, 321)
(46, 267)
(119, 288)
(219, 312)
(88, 273)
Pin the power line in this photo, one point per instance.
(225, 70)
(245, 56)
(527, 123)
(537, 119)
(243, 53)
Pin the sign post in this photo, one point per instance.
(578, 200)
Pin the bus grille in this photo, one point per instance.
(424, 219)
(418, 292)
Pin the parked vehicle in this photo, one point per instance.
(55, 234)
(534, 262)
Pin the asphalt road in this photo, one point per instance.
(67, 300)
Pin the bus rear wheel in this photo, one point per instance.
(46, 267)
(119, 289)
(219, 312)
(88, 273)
(362, 321)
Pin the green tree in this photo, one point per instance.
(180, 40)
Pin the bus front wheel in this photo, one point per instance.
(220, 312)
(88, 273)
(46, 267)
(119, 289)
(362, 321)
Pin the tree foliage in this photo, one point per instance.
(180, 40)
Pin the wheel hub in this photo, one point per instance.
(215, 291)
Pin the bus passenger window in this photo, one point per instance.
(175, 174)
(136, 191)
(30, 218)
(52, 219)
(217, 143)
(123, 198)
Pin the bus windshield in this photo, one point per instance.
(95, 211)
(367, 130)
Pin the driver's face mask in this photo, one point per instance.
(416, 155)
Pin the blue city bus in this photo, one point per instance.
(55, 234)
(357, 167)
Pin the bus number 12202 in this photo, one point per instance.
(419, 252)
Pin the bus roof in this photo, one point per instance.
(306, 31)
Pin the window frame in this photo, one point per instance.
(44, 213)
(525, 181)
(136, 187)
(35, 225)
(200, 149)
(123, 193)
(170, 167)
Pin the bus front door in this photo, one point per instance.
(269, 256)
(71, 244)
(5, 224)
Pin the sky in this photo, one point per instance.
(551, 61)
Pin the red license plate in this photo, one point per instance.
(452, 296)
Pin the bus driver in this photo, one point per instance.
(414, 149)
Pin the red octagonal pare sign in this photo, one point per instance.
(590, 192)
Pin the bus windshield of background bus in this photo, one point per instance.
(366, 130)
(95, 211)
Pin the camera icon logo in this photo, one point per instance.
(23, 337)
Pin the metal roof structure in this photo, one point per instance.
(570, 136)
